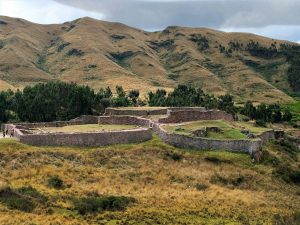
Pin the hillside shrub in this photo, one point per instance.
(288, 174)
(215, 160)
(62, 46)
(32, 192)
(75, 52)
(95, 204)
(201, 41)
(55, 182)
(231, 181)
(173, 155)
(201, 187)
(24, 199)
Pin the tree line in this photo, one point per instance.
(266, 113)
(63, 101)
(60, 101)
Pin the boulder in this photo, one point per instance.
(250, 136)
(200, 132)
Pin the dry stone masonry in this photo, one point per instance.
(143, 133)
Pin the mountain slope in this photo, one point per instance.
(99, 53)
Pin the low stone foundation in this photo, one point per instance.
(182, 141)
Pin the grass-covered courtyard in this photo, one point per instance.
(85, 128)
(228, 130)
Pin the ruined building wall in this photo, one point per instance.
(88, 139)
(182, 141)
(193, 115)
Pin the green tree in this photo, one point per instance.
(134, 95)
(120, 92)
(249, 110)
(287, 116)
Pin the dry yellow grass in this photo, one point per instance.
(165, 187)
(30, 55)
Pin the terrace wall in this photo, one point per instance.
(177, 140)
(87, 139)
(266, 136)
(85, 119)
(192, 115)
(133, 112)
(124, 120)
(88, 119)
(47, 124)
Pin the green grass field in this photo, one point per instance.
(295, 109)
(229, 130)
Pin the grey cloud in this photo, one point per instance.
(157, 14)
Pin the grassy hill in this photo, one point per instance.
(98, 53)
(159, 184)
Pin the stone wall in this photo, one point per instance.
(193, 115)
(88, 119)
(9, 128)
(147, 112)
(48, 124)
(124, 120)
(134, 112)
(177, 140)
(175, 115)
(87, 139)
(175, 109)
(85, 119)
(266, 136)
(18, 134)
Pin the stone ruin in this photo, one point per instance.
(147, 124)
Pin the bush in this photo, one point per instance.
(201, 187)
(75, 52)
(104, 203)
(260, 123)
(287, 174)
(284, 219)
(24, 199)
(286, 146)
(55, 182)
(229, 181)
(216, 160)
(32, 192)
(173, 155)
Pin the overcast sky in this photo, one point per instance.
(273, 18)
